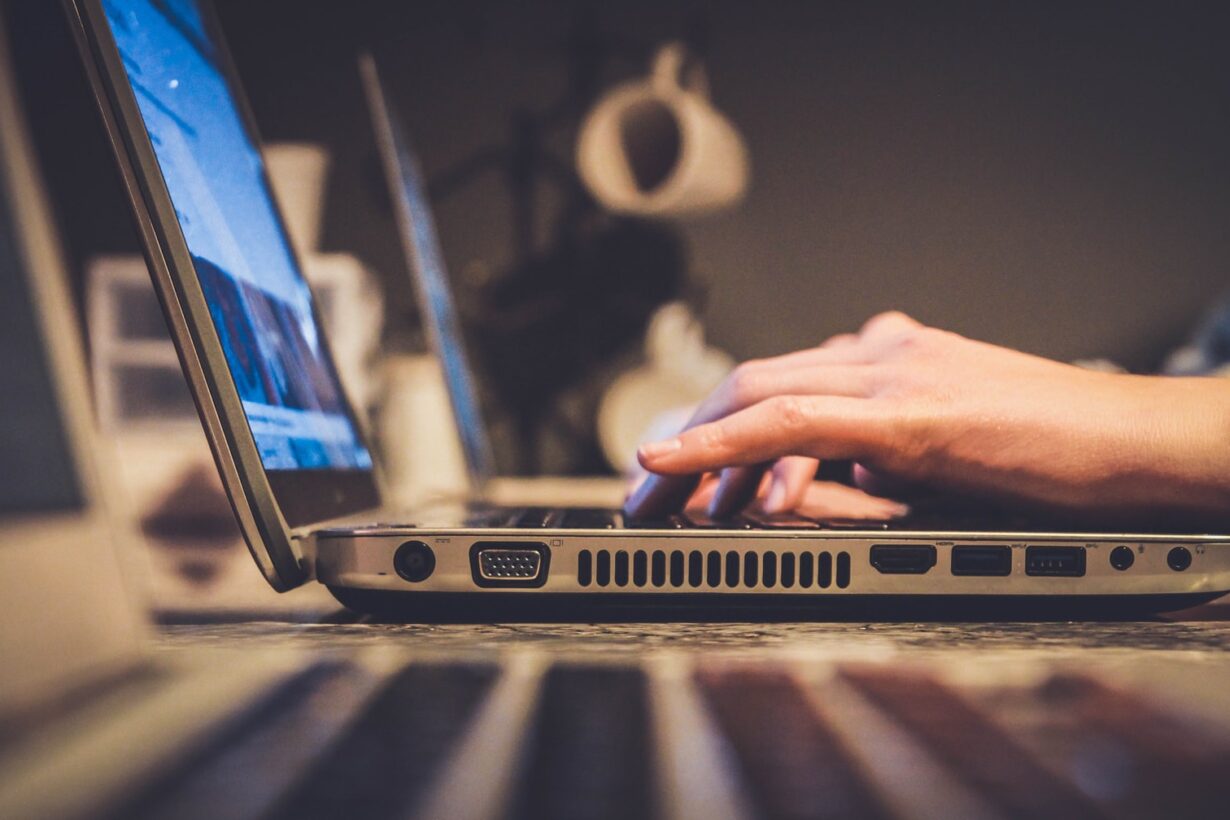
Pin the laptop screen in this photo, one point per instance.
(258, 298)
(426, 263)
(37, 470)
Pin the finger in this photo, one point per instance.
(886, 325)
(879, 483)
(639, 477)
(661, 495)
(752, 384)
(699, 502)
(737, 488)
(815, 426)
(825, 354)
(790, 479)
(828, 499)
(840, 340)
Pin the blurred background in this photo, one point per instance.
(1049, 176)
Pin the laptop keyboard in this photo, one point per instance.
(600, 519)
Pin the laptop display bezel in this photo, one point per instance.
(396, 152)
(267, 503)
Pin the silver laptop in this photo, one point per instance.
(88, 718)
(300, 472)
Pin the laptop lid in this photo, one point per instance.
(285, 439)
(421, 246)
(68, 618)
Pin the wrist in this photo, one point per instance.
(1187, 445)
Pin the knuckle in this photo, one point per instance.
(888, 379)
(893, 316)
(791, 411)
(888, 319)
(917, 341)
(711, 438)
(742, 384)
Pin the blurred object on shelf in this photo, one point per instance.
(656, 147)
(138, 382)
(1208, 351)
(136, 371)
(197, 560)
(298, 172)
(420, 447)
(194, 515)
(352, 308)
(348, 298)
(680, 370)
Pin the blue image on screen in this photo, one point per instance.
(259, 301)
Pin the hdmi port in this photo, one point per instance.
(903, 559)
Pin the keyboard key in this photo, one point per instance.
(492, 517)
(700, 521)
(537, 517)
(780, 521)
(672, 522)
(852, 524)
(590, 519)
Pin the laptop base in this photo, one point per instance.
(497, 607)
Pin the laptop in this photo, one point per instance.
(305, 488)
(77, 683)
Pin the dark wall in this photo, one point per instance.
(1049, 176)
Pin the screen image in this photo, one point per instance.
(260, 303)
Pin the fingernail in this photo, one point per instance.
(656, 449)
(777, 497)
(898, 510)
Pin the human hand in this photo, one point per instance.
(917, 406)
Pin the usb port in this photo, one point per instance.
(981, 561)
(903, 559)
(1064, 562)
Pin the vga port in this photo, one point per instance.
(509, 564)
(506, 563)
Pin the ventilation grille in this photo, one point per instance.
(696, 569)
